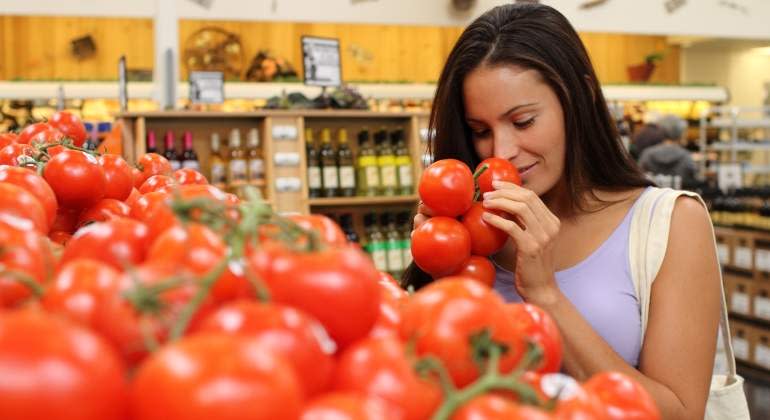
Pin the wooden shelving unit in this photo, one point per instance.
(362, 201)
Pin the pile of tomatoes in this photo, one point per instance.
(141, 293)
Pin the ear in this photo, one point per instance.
(590, 85)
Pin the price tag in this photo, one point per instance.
(741, 348)
(762, 355)
(742, 257)
(288, 184)
(207, 87)
(286, 159)
(284, 132)
(729, 176)
(321, 61)
(739, 303)
(724, 254)
(762, 307)
(762, 259)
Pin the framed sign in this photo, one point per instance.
(321, 61)
(207, 87)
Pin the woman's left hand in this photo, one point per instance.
(534, 233)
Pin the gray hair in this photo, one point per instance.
(673, 127)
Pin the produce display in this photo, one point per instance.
(145, 293)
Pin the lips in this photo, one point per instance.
(524, 169)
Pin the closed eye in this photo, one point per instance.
(524, 124)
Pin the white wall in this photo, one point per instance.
(696, 17)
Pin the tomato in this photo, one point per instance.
(329, 231)
(363, 366)
(70, 125)
(388, 323)
(218, 376)
(151, 164)
(118, 242)
(446, 187)
(441, 246)
(540, 328)
(580, 405)
(132, 197)
(156, 183)
(232, 200)
(35, 184)
(76, 178)
(48, 136)
(22, 251)
(119, 179)
(60, 237)
(348, 406)
(338, 286)
(489, 407)
(288, 332)
(154, 210)
(104, 210)
(26, 135)
(66, 220)
(6, 139)
(390, 285)
(9, 155)
(187, 176)
(443, 317)
(21, 208)
(485, 238)
(478, 268)
(137, 176)
(622, 397)
(55, 370)
(498, 169)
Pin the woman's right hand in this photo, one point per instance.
(423, 214)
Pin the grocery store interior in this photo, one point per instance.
(324, 108)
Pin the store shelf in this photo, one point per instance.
(306, 113)
(665, 93)
(752, 319)
(740, 146)
(362, 201)
(751, 370)
(727, 122)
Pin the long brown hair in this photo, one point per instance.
(538, 37)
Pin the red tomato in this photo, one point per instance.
(118, 242)
(215, 377)
(70, 125)
(25, 252)
(6, 139)
(76, 178)
(9, 155)
(48, 136)
(21, 208)
(441, 246)
(622, 397)
(497, 170)
(329, 231)
(288, 332)
(485, 238)
(393, 297)
(35, 184)
(118, 177)
(363, 366)
(26, 135)
(132, 197)
(348, 406)
(55, 370)
(232, 200)
(338, 286)
(443, 317)
(104, 210)
(60, 237)
(154, 210)
(390, 285)
(66, 220)
(535, 324)
(446, 187)
(580, 405)
(137, 176)
(489, 407)
(188, 176)
(478, 268)
(151, 164)
(156, 183)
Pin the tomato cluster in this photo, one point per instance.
(175, 300)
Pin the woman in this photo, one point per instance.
(519, 85)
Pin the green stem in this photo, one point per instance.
(150, 342)
(263, 293)
(476, 191)
(431, 364)
(206, 283)
(25, 280)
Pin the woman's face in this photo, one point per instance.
(514, 115)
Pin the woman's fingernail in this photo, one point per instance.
(486, 216)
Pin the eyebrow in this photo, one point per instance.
(508, 112)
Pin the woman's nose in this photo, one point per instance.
(506, 145)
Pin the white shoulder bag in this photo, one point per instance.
(647, 248)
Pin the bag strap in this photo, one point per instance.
(648, 241)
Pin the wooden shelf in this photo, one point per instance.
(362, 201)
(765, 323)
(306, 113)
(752, 370)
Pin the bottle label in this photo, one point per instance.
(218, 173)
(192, 164)
(256, 169)
(405, 176)
(237, 171)
(331, 175)
(389, 178)
(314, 177)
(379, 255)
(367, 161)
(347, 177)
(372, 177)
(406, 251)
(395, 256)
(175, 164)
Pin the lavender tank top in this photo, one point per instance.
(602, 290)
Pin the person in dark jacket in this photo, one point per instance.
(668, 157)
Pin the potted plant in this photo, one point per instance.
(642, 72)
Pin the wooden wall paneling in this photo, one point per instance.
(289, 201)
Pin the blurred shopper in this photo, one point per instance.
(668, 157)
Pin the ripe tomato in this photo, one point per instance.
(497, 170)
(478, 268)
(485, 238)
(9, 155)
(137, 176)
(117, 175)
(118, 242)
(338, 286)
(70, 125)
(391, 286)
(60, 237)
(329, 231)
(441, 246)
(188, 176)
(388, 323)
(132, 197)
(104, 210)
(433, 319)
(35, 184)
(489, 407)
(578, 406)
(66, 220)
(288, 332)
(55, 370)
(535, 324)
(348, 406)
(154, 210)
(221, 377)
(151, 164)
(622, 397)
(446, 187)
(6, 139)
(21, 208)
(25, 136)
(48, 136)
(76, 178)
(363, 366)
(22, 251)
(156, 183)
